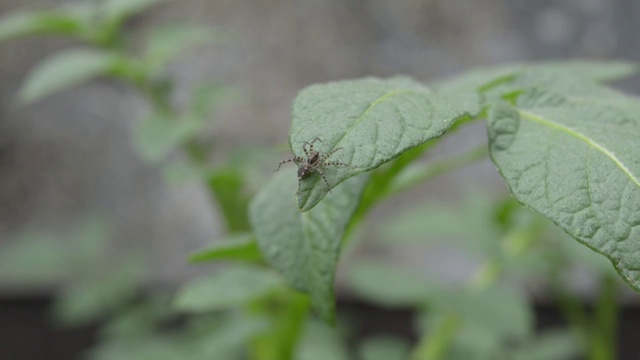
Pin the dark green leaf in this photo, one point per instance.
(227, 288)
(235, 247)
(371, 121)
(304, 247)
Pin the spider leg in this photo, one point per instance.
(324, 178)
(310, 144)
(331, 153)
(338, 163)
(284, 162)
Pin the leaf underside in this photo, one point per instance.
(304, 247)
(573, 157)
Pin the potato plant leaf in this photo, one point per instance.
(573, 157)
(370, 121)
(304, 247)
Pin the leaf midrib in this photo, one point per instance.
(533, 117)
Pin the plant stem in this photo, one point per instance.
(604, 328)
(436, 346)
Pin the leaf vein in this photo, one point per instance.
(577, 135)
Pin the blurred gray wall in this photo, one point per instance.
(71, 155)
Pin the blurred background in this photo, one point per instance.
(71, 167)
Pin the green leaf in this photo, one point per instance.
(321, 342)
(384, 348)
(97, 296)
(499, 311)
(371, 121)
(168, 42)
(138, 320)
(235, 247)
(401, 288)
(592, 71)
(65, 70)
(25, 24)
(227, 184)
(468, 90)
(573, 158)
(304, 247)
(227, 288)
(472, 224)
(157, 136)
(36, 259)
(232, 336)
(118, 10)
(464, 90)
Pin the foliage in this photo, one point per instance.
(564, 143)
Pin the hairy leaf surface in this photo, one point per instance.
(304, 247)
(371, 121)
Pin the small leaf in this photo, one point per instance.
(228, 186)
(232, 335)
(118, 10)
(99, 296)
(321, 342)
(371, 121)
(464, 91)
(235, 247)
(468, 90)
(227, 288)
(573, 158)
(66, 70)
(500, 311)
(592, 71)
(157, 136)
(25, 24)
(304, 247)
(168, 42)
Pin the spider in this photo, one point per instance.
(315, 162)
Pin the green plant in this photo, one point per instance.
(565, 144)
